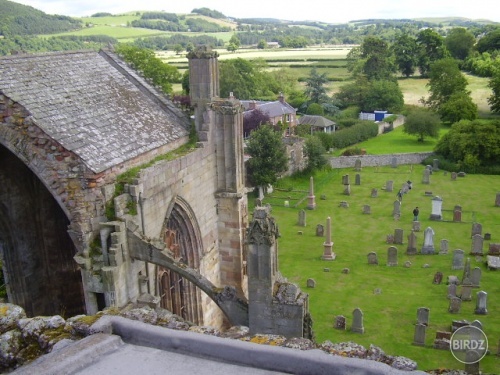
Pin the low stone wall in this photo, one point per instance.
(378, 160)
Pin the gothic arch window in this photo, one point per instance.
(182, 237)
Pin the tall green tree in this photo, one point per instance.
(460, 42)
(431, 48)
(405, 51)
(494, 98)
(489, 42)
(383, 95)
(315, 153)
(315, 86)
(445, 79)
(377, 58)
(422, 123)
(458, 107)
(268, 157)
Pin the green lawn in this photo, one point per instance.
(396, 142)
(389, 317)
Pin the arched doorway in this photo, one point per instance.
(182, 236)
(36, 251)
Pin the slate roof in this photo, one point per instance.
(318, 121)
(272, 109)
(93, 104)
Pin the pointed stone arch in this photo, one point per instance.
(182, 236)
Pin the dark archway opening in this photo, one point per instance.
(36, 251)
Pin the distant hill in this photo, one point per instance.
(18, 19)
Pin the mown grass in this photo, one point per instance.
(396, 141)
(389, 317)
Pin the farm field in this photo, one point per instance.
(390, 315)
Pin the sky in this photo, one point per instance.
(331, 11)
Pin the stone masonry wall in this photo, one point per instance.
(378, 160)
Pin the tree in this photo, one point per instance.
(234, 43)
(422, 122)
(315, 89)
(431, 48)
(252, 120)
(315, 153)
(490, 42)
(383, 95)
(405, 50)
(377, 58)
(315, 109)
(262, 44)
(178, 49)
(445, 79)
(268, 157)
(460, 43)
(458, 107)
(471, 143)
(494, 85)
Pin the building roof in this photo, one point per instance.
(318, 121)
(272, 109)
(93, 104)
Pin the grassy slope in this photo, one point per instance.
(389, 317)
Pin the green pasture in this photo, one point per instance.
(389, 317)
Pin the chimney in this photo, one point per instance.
(281, 98)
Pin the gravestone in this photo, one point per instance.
(345, 179)
(320, 230)
(346, 270)
(475, 277)
(311, 198)
(398, 236)
(340, 322)
(357, 180)
(494, 249)
(302, 218)
(481, 303)
(453, 176)
(466, 273)
(452, 290)
(437, 204)
(435, 164)
(466, 294)
(407, 264)
(258, 202)
(426, 176)
(390, 238)
(392, 256)
(493, 262)
(419, 337)
(389, 186)
(374, 193)
(443, 248)
(461, 174)
(357, 165)
(412, 244)
(416, 226)
(457, 216)
(372, 258)
(347, 189)
(452, 279)
(377, 291)
(396, 210)
(394, 162)
(367, 209)
(477, 245)
(357, 321)
(487, 236)
(428, 246)
(454, 306)
(476, 229)
(311, 283)
(442, 340)
(344, 204)
(458, 260)
(286, 203)
(438, 278)
(457, 208)
(423, 316)
(497, 200)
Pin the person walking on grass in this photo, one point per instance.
(415, 214)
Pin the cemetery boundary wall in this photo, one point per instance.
(378, 160)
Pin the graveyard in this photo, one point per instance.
(411, 275)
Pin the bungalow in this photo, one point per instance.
(318, 123)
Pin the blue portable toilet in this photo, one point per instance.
(379, 115)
